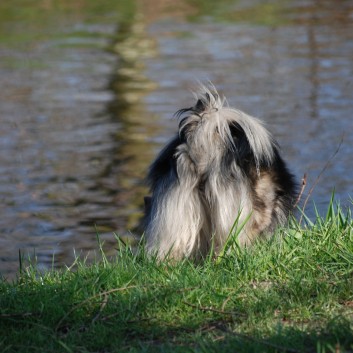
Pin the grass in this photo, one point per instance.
(293, 293)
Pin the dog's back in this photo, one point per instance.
(222, 165)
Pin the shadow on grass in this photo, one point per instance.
(146, 318)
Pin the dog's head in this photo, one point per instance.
(213, 126)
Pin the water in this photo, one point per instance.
(88, 94)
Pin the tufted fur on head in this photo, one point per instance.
(221, 165)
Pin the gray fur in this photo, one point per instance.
(221, 164)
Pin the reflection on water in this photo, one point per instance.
(77, 139)
(134, 147)
(80, 124)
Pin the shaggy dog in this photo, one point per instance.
(221, 166)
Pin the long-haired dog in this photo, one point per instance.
(221, 166)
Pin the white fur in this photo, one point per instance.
(200, 205)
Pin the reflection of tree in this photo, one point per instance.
(134, 149)
(321, 14)
(111, 197)
(313, 70)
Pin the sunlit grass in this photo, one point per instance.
(290, 294)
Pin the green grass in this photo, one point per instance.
(293, 293)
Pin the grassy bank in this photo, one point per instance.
(291, 294)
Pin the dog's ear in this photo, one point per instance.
(239, 139)
(236, 131)
(240, 147)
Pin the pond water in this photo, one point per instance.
(89, 91)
